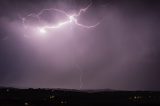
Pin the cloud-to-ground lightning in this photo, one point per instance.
(80, 76)
(70, 19)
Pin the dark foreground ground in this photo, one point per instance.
(59, 97)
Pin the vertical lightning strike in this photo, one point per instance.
(80, 76)
(70, 19)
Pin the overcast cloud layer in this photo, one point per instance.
(120, 53)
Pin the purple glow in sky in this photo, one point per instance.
(71, 18)
(80, 44)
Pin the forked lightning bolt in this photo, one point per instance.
(70, 19)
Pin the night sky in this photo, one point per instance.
(122, 52)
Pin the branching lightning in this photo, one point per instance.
(70, 19)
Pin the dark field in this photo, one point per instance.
(60, 97)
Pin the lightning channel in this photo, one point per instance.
(70, 19)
